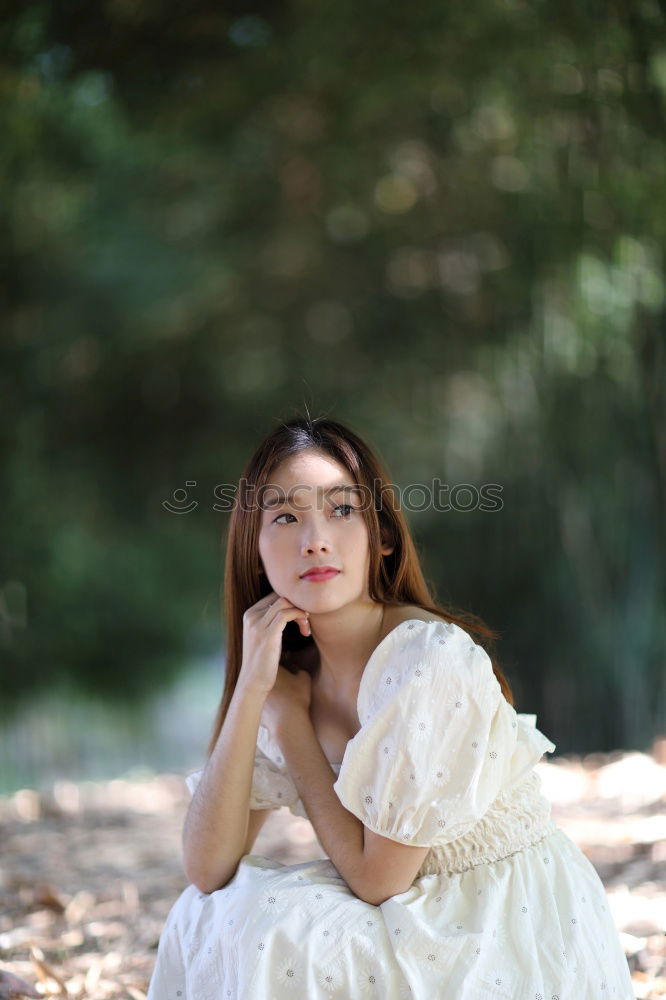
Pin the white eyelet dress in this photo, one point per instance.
(505, 905)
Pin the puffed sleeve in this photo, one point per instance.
(437, 737)
(272, 786)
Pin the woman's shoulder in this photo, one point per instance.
(419, 651)
(395, 615)
(409, 629)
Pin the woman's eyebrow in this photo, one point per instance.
(282, 500)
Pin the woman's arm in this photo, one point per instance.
(216, 825)
(374, 867)
(339, 831)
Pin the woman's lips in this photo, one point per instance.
(320, 577)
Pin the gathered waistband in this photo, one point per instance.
(517, 819)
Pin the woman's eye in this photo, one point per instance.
(347, 506)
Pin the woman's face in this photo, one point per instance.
(306, 521)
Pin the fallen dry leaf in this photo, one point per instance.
(46, 974)
(11, 986)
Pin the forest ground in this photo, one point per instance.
(91, 870)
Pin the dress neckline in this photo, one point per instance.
(379, 646)
(393, 632)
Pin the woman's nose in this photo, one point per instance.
(316, 546)
(314, 541)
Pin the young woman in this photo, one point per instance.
(354, 699)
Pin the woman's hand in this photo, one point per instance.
(263, 625)
(288, 701)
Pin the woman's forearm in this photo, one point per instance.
(216, 824)
(339, 831)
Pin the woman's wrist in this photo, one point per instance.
(248, 688)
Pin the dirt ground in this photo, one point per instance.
(90, 871)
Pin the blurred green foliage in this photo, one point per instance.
(442, 224)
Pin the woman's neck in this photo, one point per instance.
(344, 647)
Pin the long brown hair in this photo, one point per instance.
(394, 580)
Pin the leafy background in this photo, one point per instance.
(442, 224)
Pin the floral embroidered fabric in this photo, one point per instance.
(504, 905)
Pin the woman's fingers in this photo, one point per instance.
(286, 613)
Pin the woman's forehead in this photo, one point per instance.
(305, 480)
(312, 470)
